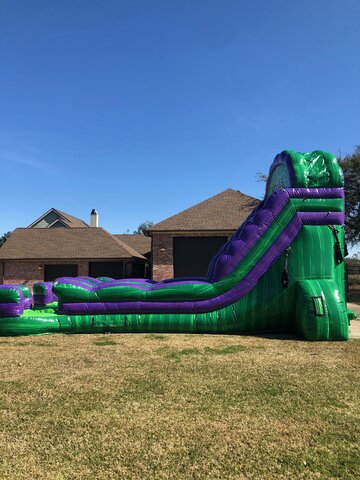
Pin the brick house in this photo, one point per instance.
(58, 244)
(183, 245)
(35, 254)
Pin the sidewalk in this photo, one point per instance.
(355, 324)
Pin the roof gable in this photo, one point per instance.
(49, 219)
(224, 211)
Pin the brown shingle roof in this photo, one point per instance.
(141, 243)
(68, 220)
(225, 211)
(65, 243)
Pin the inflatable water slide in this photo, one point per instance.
(281, 271)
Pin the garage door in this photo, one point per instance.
(106, 269)
(51, 272)
(192, 255)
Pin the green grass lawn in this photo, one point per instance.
(178, 407)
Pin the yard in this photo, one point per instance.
(178, 407)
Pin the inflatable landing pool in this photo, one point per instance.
(281, 271)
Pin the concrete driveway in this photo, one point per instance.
(355, 324)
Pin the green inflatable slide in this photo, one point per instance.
(281, 271)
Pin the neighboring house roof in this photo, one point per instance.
(65, 243)
(64, 218)
(225, 211)
(141, 243)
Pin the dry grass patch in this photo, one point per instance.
(178, 407)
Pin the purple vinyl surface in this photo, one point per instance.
(302, 192)
(11, 309)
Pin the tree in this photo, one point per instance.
(4, 237)
(350, 165)
(261, 177)
(144, 226)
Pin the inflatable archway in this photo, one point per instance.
(282, 271)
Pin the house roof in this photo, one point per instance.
(65, 218)
(65, 243)
(141, 243)
(224, 211)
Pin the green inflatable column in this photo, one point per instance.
(320, 311)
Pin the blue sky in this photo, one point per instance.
(143, 108)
